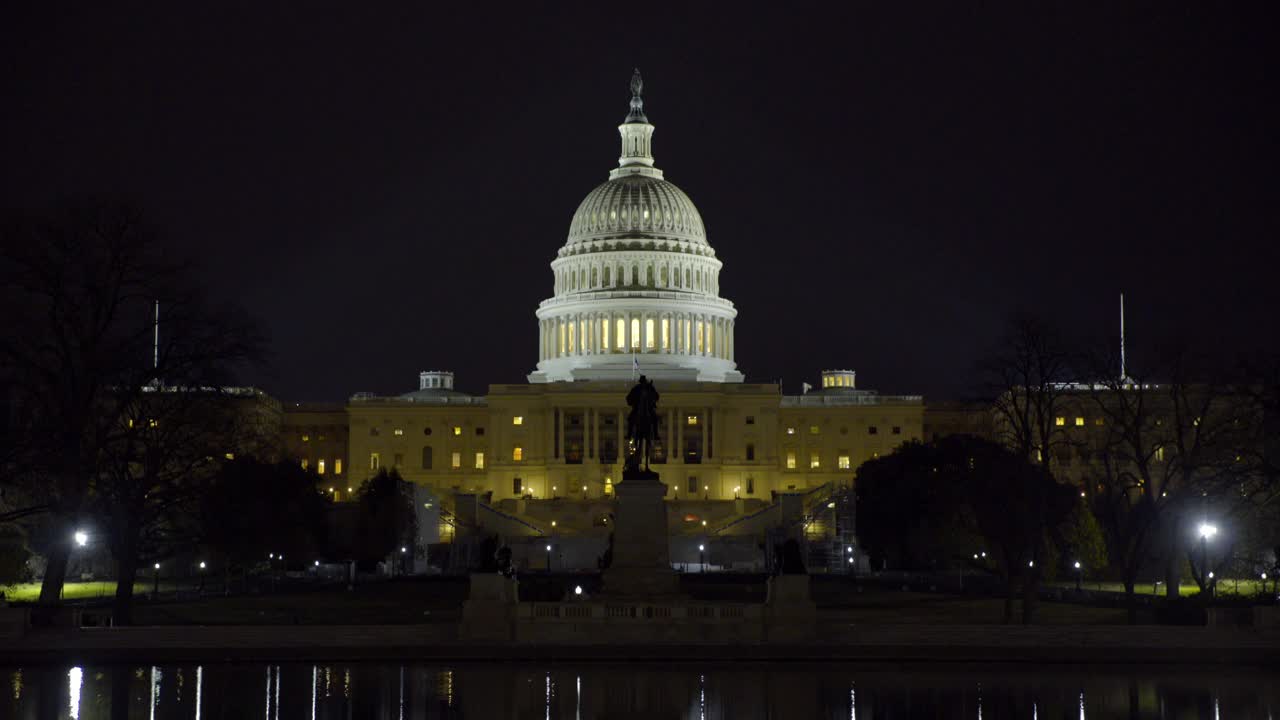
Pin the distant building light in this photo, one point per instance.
(577, 589)
(82, 538)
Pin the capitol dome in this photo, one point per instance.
(636, 207)
(637, 285)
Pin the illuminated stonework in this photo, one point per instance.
(636, 283)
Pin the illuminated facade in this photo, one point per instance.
(636, 291)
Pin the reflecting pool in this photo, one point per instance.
(621, 691)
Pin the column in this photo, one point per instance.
(560, 435)
(622, 449)
(626, 324)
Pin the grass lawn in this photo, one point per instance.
(1225, 587)
(30, 592)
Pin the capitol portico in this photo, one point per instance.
(636, 290)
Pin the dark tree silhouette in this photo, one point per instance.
(387, 517)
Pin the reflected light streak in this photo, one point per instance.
(268, 711)
(277, 692)
(1081, 705)
(702, 697)
(401, 692)
(199, 688)
(548, 696)
(853, 702)
(1035, 711)
(75, 678)
(155, 689)
(315, 680)
(17, 684)
(979, 701)
(1216, 715)
(577, 714)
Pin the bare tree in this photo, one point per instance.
(78, 355)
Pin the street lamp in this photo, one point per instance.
(81, 538)
(1078, 573)
(548, 559)
(702, 557)
(1207, 531)
(155, 588)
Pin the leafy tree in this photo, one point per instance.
(252, 508)
(387, 517)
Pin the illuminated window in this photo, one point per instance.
(650, 336)
(457, 429)
(701, 336)
(843, 461)
(1160, 453)
(337, 466)
(305, 438)
(517, 420)
(791, 460)
(666, 323)
(152, 422)
(455, 460)
(231, 456)
(604, 323)
(131, 425)
(814, 461)
(1079, 422)
(399, 432)
(305, 463)
(620, 331)
(573, 328)
(397, 460)
(479, 461)
(711, 339)
(320, 467)
(814, 429)
(635, 333)
(691, 420)
(561, 352)
(1098, 422)
(791, 431)
(1060, 421)
(374, 461)
(517, 484)
(517, 453)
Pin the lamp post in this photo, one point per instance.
(702, 557)
(155, 587)
(202, 567)
(1206, 531)
(548, 559)
(1078, 574)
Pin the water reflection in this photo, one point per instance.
(604, 691)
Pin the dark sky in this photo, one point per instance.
(385, 188)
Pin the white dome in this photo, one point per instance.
(636, 285)
(636, 207)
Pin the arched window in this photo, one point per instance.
(426, 457)
(606, 276)
(649, 274)
(635, 275)
(688, 278)
(621, 279)
(664, 276)
(593, 277)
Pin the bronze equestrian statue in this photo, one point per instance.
(642, 423)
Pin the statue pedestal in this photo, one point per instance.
(641, 555)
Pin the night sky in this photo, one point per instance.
(384, 189)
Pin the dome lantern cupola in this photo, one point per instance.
(637, 138)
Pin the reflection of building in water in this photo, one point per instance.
(636, 290)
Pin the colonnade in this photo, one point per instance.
(603, 275)
(672, 333)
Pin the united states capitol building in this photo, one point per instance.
(635, 291)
